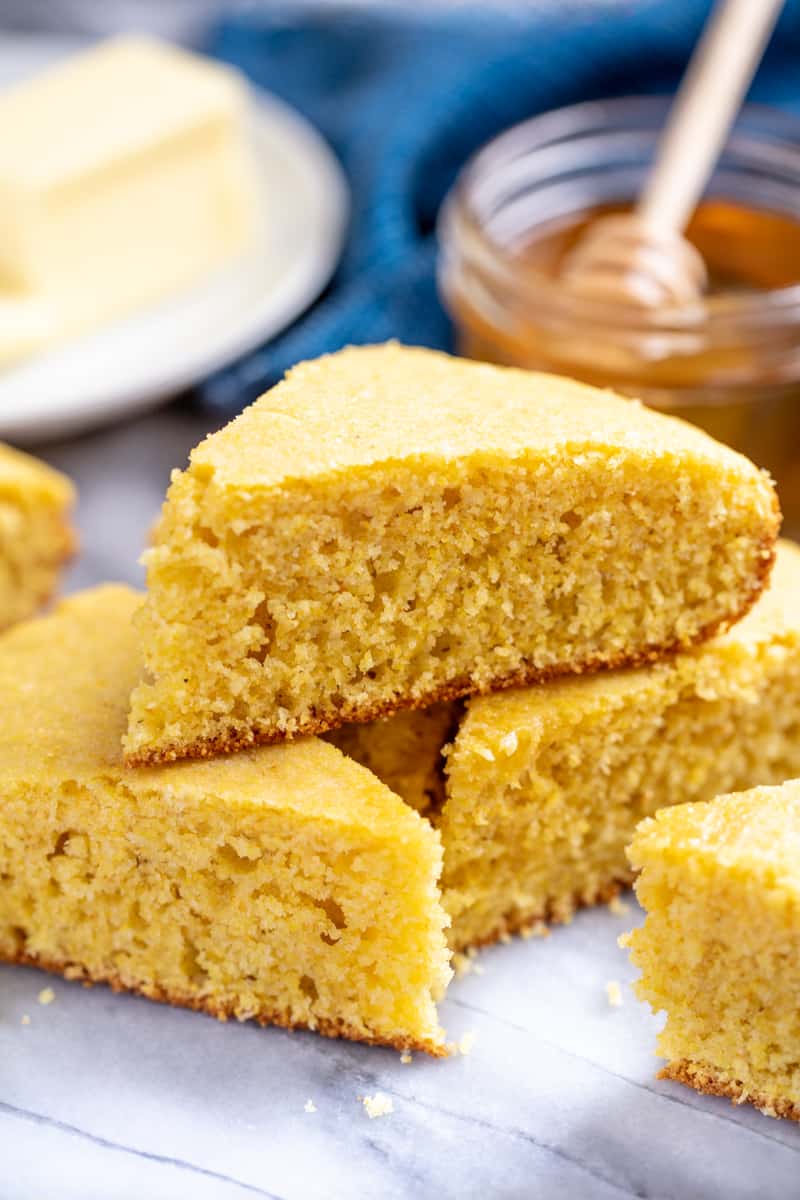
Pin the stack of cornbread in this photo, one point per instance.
(526, 613)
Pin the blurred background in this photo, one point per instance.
(402, 98)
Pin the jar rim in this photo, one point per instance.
(462, 224)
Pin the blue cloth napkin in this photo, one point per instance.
(404, 96)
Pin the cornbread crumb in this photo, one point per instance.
(46, 996)
(318, 564)
(472, 954)
(25, 1019)
(509, 743)
(536, 929)
(505, 937)
(465, 962)
(405, 1058)
(309, 1106)
(285, 884)
(719, 951)
(614, 993)
(618, 907)
(379, 1105)
(466, 1042)
(463, 1046)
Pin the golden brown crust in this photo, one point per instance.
(227, 743)
(704, 1078)
(221, 1010)
(561, 914)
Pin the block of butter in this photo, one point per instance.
(124, 175)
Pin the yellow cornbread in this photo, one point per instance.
(391, 527)
(35, 533)
(719, 951)
(285, 884)
(545, 785)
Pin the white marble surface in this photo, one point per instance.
(107, 1097)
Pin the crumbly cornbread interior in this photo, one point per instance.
(285, 883)
(35, 534)
(391, 527)
(405, 751)
(719, 950)
(545, 785)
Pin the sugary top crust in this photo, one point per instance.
(754, 835)
(375, 404)
(65, 680)
(24, 476)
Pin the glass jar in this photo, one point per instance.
(730, 364)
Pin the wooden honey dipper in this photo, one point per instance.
(642, 257)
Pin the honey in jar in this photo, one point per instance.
(730, 364)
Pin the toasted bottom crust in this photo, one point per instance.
(705, 1078)
(552, 914)
(222, 1011)
(226, 743)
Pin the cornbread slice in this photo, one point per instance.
(285, 884)
(719, 951)
(36, 538)
(545, 785)
(390, 527)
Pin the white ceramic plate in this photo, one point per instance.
(138, 363)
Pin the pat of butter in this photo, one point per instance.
(26, 324)
(125, 175)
